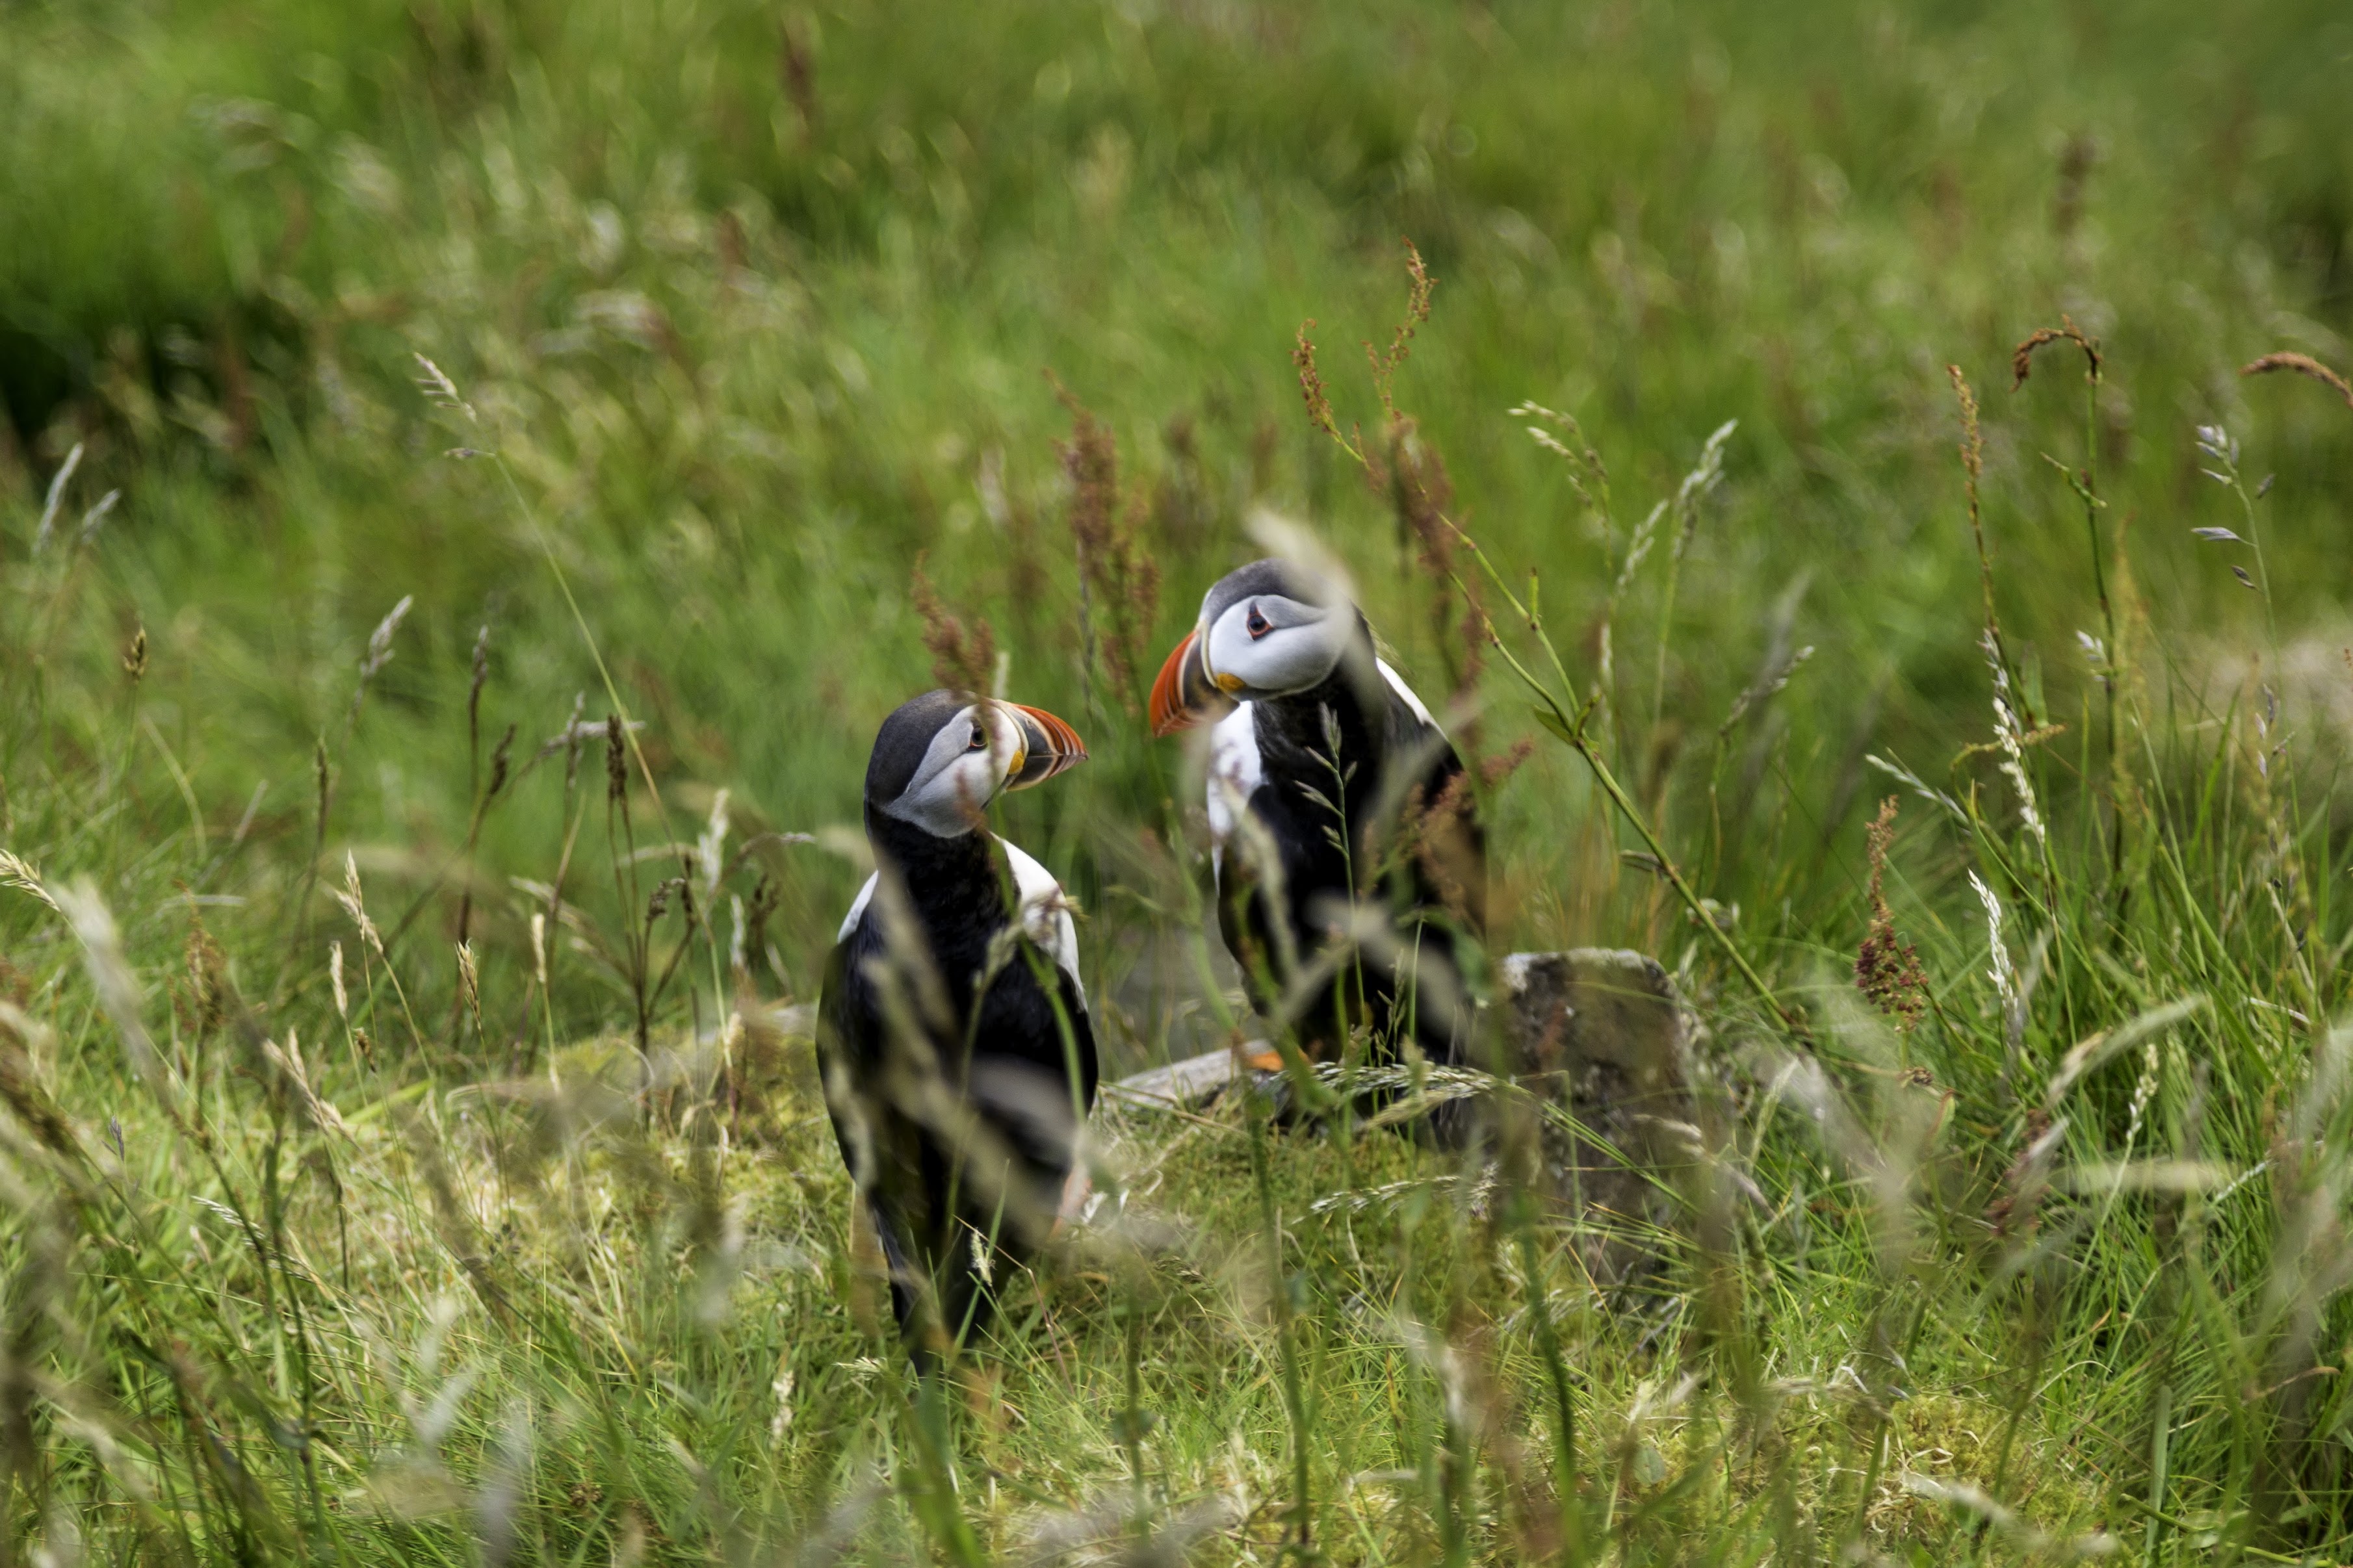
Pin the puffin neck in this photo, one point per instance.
(1295, 723)
(939, 873)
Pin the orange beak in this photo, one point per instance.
(1050, 746)
(1184, 695)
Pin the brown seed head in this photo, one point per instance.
(135, 657)
(1972, 438)
(1310, 382)
(208, 985)
(1436, 831)
(1495, 771)
(2302, 365)
(1417, 312)
(1119, 578)
(1886, 969)
(617, 767)
(2021, 358)
(1090, 459)
(962, 657)
(499, 762)
(1420, 491)
(2015, 1212)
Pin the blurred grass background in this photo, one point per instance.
(759, 304)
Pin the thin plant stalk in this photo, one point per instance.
(1555, 716)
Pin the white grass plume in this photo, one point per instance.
(57, 493)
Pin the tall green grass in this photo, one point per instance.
(325, 1241)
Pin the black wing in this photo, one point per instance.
(948, 1144)
(890, 1160)
(1446, 872)
(1032, 1046)
(1448, 866)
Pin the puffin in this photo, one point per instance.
(1326, 770)
(958, 1061)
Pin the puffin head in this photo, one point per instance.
(1268, 629)
(942, 757)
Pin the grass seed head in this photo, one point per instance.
(1119, 580)
(208, 985)
(574, 734)
(379, 645)
(1887, 968)
(2302, 364)
(57, 483)
(440, 391)
(2015, 1209)
(1495, 771)
(2012, 738)
(1310, 382)
(501, 755)
(470, 985)
(356, 906)
(482, 673)
(710, 849)
(1386, 362)
(1972, 437)
(15, 872)
(95, 518)
(2021, 358)
(1588, 476)
(2003, 973)
(1434, 831)
(378, 655)
(963, 658)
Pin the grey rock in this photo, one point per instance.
(1601, 1030)
(1179, 1086)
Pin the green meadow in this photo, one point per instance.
(475, 473)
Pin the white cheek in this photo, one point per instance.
(1289, 659)
(951, 801)
(1230, 648)
(968, 782)
(1005, 744)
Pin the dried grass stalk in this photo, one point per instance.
(1119, 580)
(963, 656)
(1887, 968)
(15, 873)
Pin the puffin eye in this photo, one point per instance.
(1257, 626)
(979, 739)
